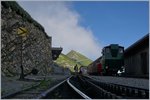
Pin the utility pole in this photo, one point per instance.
(22, 32)
(21, 66)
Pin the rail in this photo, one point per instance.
(78, 91)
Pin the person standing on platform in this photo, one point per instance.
(76, 69)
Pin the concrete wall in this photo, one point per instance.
(36, 44)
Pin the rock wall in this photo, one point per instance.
(60, 70)
(35, 44)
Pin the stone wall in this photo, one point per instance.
(60, 70)
(35, 45)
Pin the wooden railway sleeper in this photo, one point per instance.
(113, 88)
(129, 92)
(147, 94)
(133, 92)
(116, 89)
(124, 90)
(109, 95)
(142, 93)
(105, 93)
(119, 90)
(136, 92)
(114, 96)
(109, 87)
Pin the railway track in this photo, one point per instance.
(79, 87)
(91, 90)
(63, 90)
(118, 91)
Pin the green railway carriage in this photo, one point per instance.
(112, 59)
(109, 63)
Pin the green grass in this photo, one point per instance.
(45, 84)
(76, 56)
(65, 61)
(71, 59)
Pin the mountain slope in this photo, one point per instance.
(65, 61)
(77, 57)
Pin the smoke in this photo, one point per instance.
(61, 22)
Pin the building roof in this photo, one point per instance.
(56, 52)
(137, 46)
(113, 45)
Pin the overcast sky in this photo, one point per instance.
(87, 27)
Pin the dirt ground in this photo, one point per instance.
(12, 84)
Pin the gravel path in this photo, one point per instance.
(12, 84)
(53, 77)
(133, 82)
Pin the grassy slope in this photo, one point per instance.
(65, 61)
(79, 58)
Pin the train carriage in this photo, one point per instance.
(110, 61)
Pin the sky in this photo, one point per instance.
(87, 26)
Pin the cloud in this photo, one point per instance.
(61, 22)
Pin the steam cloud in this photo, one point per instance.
(61, 22)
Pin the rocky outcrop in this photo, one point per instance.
(35, 45)
(57, 69)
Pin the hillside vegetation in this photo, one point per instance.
(66, 62)
(78, 57)
(71, 59)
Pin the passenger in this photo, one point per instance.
(76, 69)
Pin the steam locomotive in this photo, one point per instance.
(109, 63)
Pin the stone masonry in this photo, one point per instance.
(35, 45)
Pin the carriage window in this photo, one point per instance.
(120, 50)
(107, 50)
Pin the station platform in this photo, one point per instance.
(133, 82)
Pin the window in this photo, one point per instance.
(107, 50)
(120, 50)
